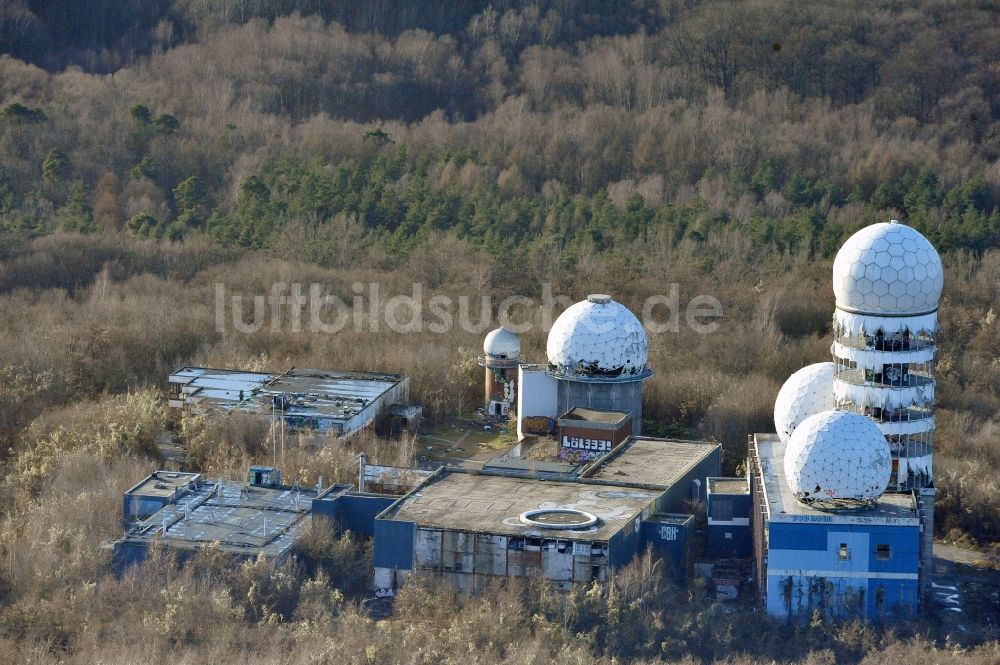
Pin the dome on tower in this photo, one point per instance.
(598, 337)
(888, 269)
(837, 455)
(805, 393)
(502, 343)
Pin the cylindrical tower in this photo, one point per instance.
(501, 356)
(598, 354)
(887, 279)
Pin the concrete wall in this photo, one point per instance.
(536, 395)
(393, 555)
(127, 554)
(729, 534)
(353, 512)
(469, 559)
(500, 386)
(729, 541)
(805, 570)
(674, 499)
(613, 396)
(398, 394)
(627, 543)
(136, 506)
(925, 509)
(590, 438)
(670, 540)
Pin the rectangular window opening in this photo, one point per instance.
(883, 552)
(844, 554)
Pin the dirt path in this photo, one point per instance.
(962, 592)
(958, 554)
(174, 455)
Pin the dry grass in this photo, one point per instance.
(82, 406)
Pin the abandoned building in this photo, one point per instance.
(851, 560)
(323, 400)
(597, 356)
(468, 527)
(242, 518)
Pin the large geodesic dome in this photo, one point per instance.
(598, 337)
(805, 393)
(888, 269)
(837, 455)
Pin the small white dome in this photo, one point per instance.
(598, 337)
(805, 393)
(502, 343)
(888, 269)
(837, 455)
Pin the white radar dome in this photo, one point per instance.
(837, 455)
(805, 393)
(888, 269)
(502, 343)
(598, 337)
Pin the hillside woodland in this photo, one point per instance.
(152, 150)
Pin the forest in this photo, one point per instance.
(151, 150)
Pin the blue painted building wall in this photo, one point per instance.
(393, 546)
(674, 499)
(626, 543)
(136, 506)
(353, 512)
(729, 534)
(127, 554)
(806, 572)
(670, 539)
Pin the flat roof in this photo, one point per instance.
(311, 393)
(530, 466)
(482, 503)
(595, 416)
(243, 520)
(728, 486)
(670, 518)
(648, 461)
(163, 483)
(782, 506)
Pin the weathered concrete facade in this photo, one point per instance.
(471, 527)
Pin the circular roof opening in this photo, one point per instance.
(599, 298)
(558, 518)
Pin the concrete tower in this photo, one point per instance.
(888, 279)
(501, 355)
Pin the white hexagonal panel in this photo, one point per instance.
(805, 393)
(888, 254)
(837, 455)
(598, 337)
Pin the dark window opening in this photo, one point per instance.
(883, 552)
(722, 509)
